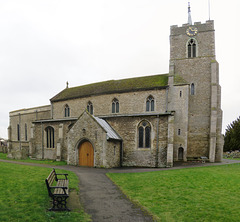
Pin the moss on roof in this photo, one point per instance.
(178, 80)
(113, 86)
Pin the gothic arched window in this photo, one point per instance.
(192, 89)
(144, 135)
(150, 104)
(90, 108)
(115, 106)
(192, 48)
(66, 111)
(49, 137)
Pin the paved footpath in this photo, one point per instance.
(103, 200)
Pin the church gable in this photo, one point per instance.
(97, 132)
(84, 126)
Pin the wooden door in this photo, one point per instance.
(86, 154)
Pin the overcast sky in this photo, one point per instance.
(44, 43)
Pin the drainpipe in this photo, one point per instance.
(157, 152)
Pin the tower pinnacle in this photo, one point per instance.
(189, 14)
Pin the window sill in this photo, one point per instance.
(144, 149)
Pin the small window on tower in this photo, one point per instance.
(192, 89)
(179, 132)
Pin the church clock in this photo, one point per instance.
(191, 31)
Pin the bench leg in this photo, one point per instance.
(59, 203)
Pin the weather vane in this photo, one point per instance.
(189, 14)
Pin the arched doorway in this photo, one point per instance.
(180, 153)
(86, 154)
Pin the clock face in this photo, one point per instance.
(191, 31)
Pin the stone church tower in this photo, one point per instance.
(193, 61)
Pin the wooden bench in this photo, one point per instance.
(203, 159)
(58, 191)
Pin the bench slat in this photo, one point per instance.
(51, 178)
(60, 183)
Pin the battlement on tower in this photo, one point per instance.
(202, 27)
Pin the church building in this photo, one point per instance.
(150, 121)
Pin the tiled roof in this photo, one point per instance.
(113, 86)
(111, 133)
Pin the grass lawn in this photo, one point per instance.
(193, 194)
(231, 158)
(3, 156)
(24, 197)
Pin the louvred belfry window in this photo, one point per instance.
(192, 48)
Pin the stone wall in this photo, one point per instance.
(179, 102)
(59, 151)
(127, 128)
(130, 103)
(106, 153)
(205, 40)
(21, 123)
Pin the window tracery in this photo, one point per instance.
(49, 137)
(144, 135)
(115, 106)
(90, 108)
(66, 111)
(192, 48)
(150, 104)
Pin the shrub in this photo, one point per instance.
(232, 136)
